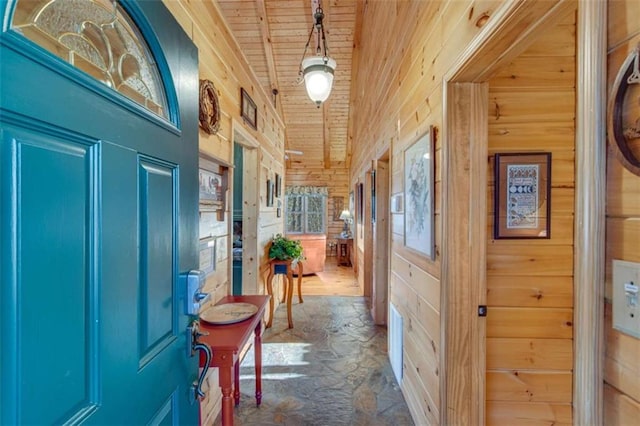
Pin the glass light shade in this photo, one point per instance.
(345, 215)
(318, 77)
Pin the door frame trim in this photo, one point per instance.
(590, 220)
(251, 273)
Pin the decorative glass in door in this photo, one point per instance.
(99, 38)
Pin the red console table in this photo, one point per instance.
(226, 341)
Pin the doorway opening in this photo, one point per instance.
(380, 233)
(245, 213)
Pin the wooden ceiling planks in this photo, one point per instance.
(243, 19)
(272, 35)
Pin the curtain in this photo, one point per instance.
(306, 190)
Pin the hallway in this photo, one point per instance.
(330, 369)
(334, 280)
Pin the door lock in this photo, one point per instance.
(195, 296)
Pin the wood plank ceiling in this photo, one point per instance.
(272, 34)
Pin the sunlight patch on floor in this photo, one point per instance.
(274, 376)
(279, 354)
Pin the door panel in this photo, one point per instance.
(54, 228)
(157, 192)
(99, 221)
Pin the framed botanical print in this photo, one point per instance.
(419, 195)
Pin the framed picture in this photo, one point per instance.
(248, 109)
(338, 206)
(418, 195)
(373, 196)
(360, 203)
(522, 195)
(352, 202)
(270, 188)
(273, 191)
(278, 190)
(211, 190)
(207, 255)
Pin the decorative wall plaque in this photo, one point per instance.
(623, 123)
(209, 108)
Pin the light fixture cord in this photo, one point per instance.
(319, 16)
(324, 40)
(306, 46)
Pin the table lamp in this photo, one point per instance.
(346, 216)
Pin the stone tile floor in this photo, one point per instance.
(332, 368)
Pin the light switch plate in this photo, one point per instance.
(626, 297)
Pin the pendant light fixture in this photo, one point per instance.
(318, 70)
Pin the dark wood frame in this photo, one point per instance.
(541, 218)
(360, 202)
(278, 190)
(248, 109)
(373, 196)
(270, 188)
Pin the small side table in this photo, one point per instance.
(344, 251)
(284, 267)
(226, 342)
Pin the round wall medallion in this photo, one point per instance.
(623, 121)
(209, 107)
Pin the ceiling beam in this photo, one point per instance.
(326, 107)
(326, 134)
(355, 60)
(263, 22)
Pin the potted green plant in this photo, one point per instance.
(282, 248)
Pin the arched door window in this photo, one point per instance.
(99, 38)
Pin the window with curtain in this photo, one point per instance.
(305, 210)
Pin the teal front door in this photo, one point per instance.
(98, 204)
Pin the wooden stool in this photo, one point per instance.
(284, 267)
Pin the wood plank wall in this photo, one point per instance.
(622, 369)
(336, 179)
(397, 98)
(400, 97)
(530, 282)
(221, 61)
